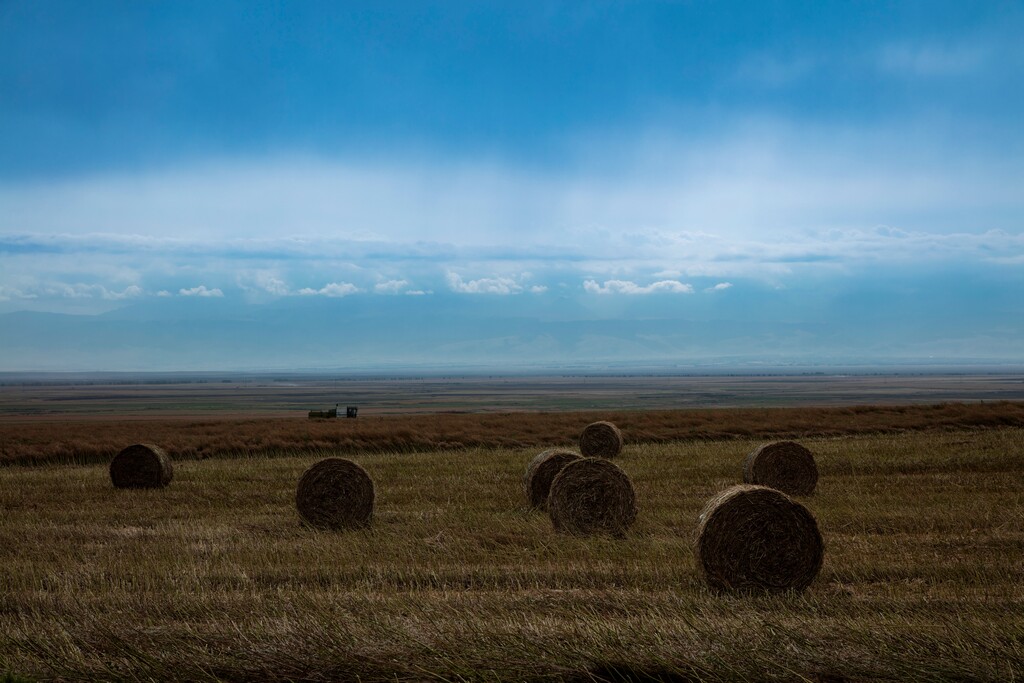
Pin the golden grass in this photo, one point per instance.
(215, 578)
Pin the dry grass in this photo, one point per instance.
(58, 441)
(215, 578)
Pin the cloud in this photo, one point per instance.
(263, 282)
(417, 292)
(333, 289)
(163, 293)
(9, 293)
(628, 287)
(390, 287)
(721, 286)
(487, 285)
(640, 182)
(85, 291)
(129, 292)
(705, 258)
(538, 289)
(756, 199)
(202, 291)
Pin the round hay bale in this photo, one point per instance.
(335, 493)
(141, 466)
(542, 471)
(757, 538)
(601, 440)
(591, 496)
(783, 465)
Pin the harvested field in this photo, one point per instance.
(193, 396)
(215, 577)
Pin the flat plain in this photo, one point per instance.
(211, 395)
(215, 578)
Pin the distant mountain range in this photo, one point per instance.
(360, 332)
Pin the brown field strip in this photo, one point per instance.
(32, 442)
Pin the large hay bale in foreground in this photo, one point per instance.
(601, 440)
(592, 496)
(783, 465)
(141, 466)
(542, 471)
(335, 493)
(757, 538)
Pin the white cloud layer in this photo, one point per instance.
(486, 285)
(760, 201)
(390, 287)
(201, 291)
(333, 289)
(628, 287)
(70, 291)
(752, 178)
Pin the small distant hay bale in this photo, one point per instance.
(141, 466)
(542, 471)
(752, 538)
(783, 465)
(592, 496)
(336, 494)
(601, 440)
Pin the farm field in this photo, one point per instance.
(215, 578)
(191, 397)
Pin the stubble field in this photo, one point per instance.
(215, 578)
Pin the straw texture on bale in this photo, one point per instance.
(335, 493)
(752, 538)
(601, 440)
(783, 465)
(592, 496)
(542, 471)
(141, 466)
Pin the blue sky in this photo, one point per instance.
(827, 164)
